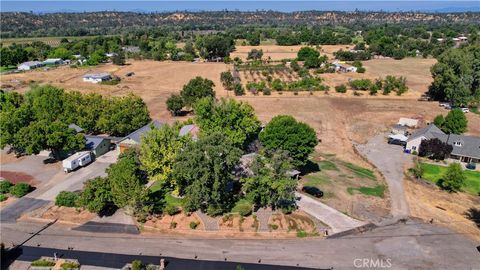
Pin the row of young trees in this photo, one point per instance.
(39, 119)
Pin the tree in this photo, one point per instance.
(455, 122)
(255, 54)
(96, 196)
(196, 89)
(435, 149)
(158, 150)
(439, 120)
(312, 62)
(60, 52)
(307, 52)
(218, 45)
(175, 104)
(127, 183)
(238, 89)
(204, 173)
(454, 178)
(270, 184)
(253, 39)
(236, 120)
(119, 58)
(297, 138)
(21, 189)
(227, 80)
(5, 186)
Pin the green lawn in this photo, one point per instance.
(327, 165)
(242, 206)
(433, 173)
(377, 191)
(359, 171)
(4, 68)
(316, 179)
(173, 201)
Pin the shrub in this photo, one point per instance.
(341, 88)
(266, 92)
(361, 84)
(42, 263)
(194, 225)
(3, 197)
(173, 225)
(66, 266)
(21, 189)
(172, 210)
(67, 198)
(238, 90)
(5, 186)
(454, 178)
(137, 265)
(175, 104)
(301, 234)
(273, 226)
(361, 70)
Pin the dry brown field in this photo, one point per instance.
(276, 52)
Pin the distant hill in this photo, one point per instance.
(21, 24)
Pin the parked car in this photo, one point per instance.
(465, 110)
(396, 142)
(314, 191)
(444, 104)
(471, 166)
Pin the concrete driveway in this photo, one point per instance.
(49, 189)
(391, 162)
(336, 220)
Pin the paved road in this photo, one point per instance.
(408, 246)
(391, 162)
(336, 220)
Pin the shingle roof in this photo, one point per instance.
(189, 129)
(470, 145)
(93, 141)
(137, 134)
(427, 132)
(77, 128)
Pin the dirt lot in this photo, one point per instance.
(458, 211)
(276, 52)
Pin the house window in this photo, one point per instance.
(457, 143)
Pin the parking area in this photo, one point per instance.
(391, 161)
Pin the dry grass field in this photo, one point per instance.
(276, 52)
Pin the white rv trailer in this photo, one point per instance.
(76, 160)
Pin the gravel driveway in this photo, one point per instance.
(391, 162)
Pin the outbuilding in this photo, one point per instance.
(30, 65)
(97, 77)
(133, 139)
(97, 145)
(53, 61)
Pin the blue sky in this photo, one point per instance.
(196, 5)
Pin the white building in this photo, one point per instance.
(97, 77)
(30, 65)
(76, 160)
(53, 61)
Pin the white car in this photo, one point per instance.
(465, 110)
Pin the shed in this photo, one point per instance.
(409, 122)
(53, 61)
(97, 77)
(30, 65)
(134, 138)
(97, 145)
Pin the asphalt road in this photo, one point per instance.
(391, 162)
(408, 246)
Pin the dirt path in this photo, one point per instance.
(336, 220)
(391, 162)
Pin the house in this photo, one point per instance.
(97, 77)
(133, 139)
(409, 122)
(30, 65)
(465, 148)
(97, 145)
(77, 128)
(53, 61)
(399, 129)
(341, 67)
(192, 129)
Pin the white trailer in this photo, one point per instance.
(76, 160)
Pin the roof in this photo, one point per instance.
(408, 122)
(399, 137)
(400, 127)
(137, 134)
(97, 75)
(52, 60)
(470, 145)
(189, 129)
(77, 128)
(93, 141)
(431, 131)
(31, 63)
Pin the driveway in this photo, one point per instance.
(391, 162)
(48, 190)
(336, 220)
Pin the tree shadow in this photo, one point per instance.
(309, 167)
(474, 215)
(108, 211)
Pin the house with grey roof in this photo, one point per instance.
(133, 139)
(30, 65)
(192, 129)
(97, 77)
(97, 145)
(465, 148)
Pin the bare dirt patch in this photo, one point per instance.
(453, 210)
(18, 177)
(69, 215)
(177, 223)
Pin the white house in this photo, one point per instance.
(53, 61)
(426, 133)
(30, 65)
(97, 77)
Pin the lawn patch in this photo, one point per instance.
(327, 165)
(377, 191)
(243, 207)
(316, 179)
(433, 173)
(359, 171)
